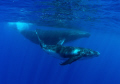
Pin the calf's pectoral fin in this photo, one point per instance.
(70, 60)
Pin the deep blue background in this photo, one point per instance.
(23, 62)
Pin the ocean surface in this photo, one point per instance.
(24, 62)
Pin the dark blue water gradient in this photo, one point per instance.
(90, 12)
(23, 62)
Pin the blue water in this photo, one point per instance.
(23, 62)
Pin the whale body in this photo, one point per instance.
(52, 37)
(71, 54)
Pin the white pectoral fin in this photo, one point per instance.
(41, 42)
(70, 60)
(61, 42)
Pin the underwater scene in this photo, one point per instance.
(59, 42)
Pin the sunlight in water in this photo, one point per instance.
(19, 25)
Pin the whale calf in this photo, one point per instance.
(71, 54)
(51, 37)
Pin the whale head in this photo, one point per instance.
(91, 53)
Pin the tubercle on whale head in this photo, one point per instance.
(93, 53)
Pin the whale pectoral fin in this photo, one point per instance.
(61, 42)
(70, 60)
(42, 45)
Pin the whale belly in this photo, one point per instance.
(55, 55)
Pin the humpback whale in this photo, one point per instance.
(47, 35)
(71, 54)
(51, 37)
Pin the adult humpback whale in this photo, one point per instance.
(67, 52)
(51, 37)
